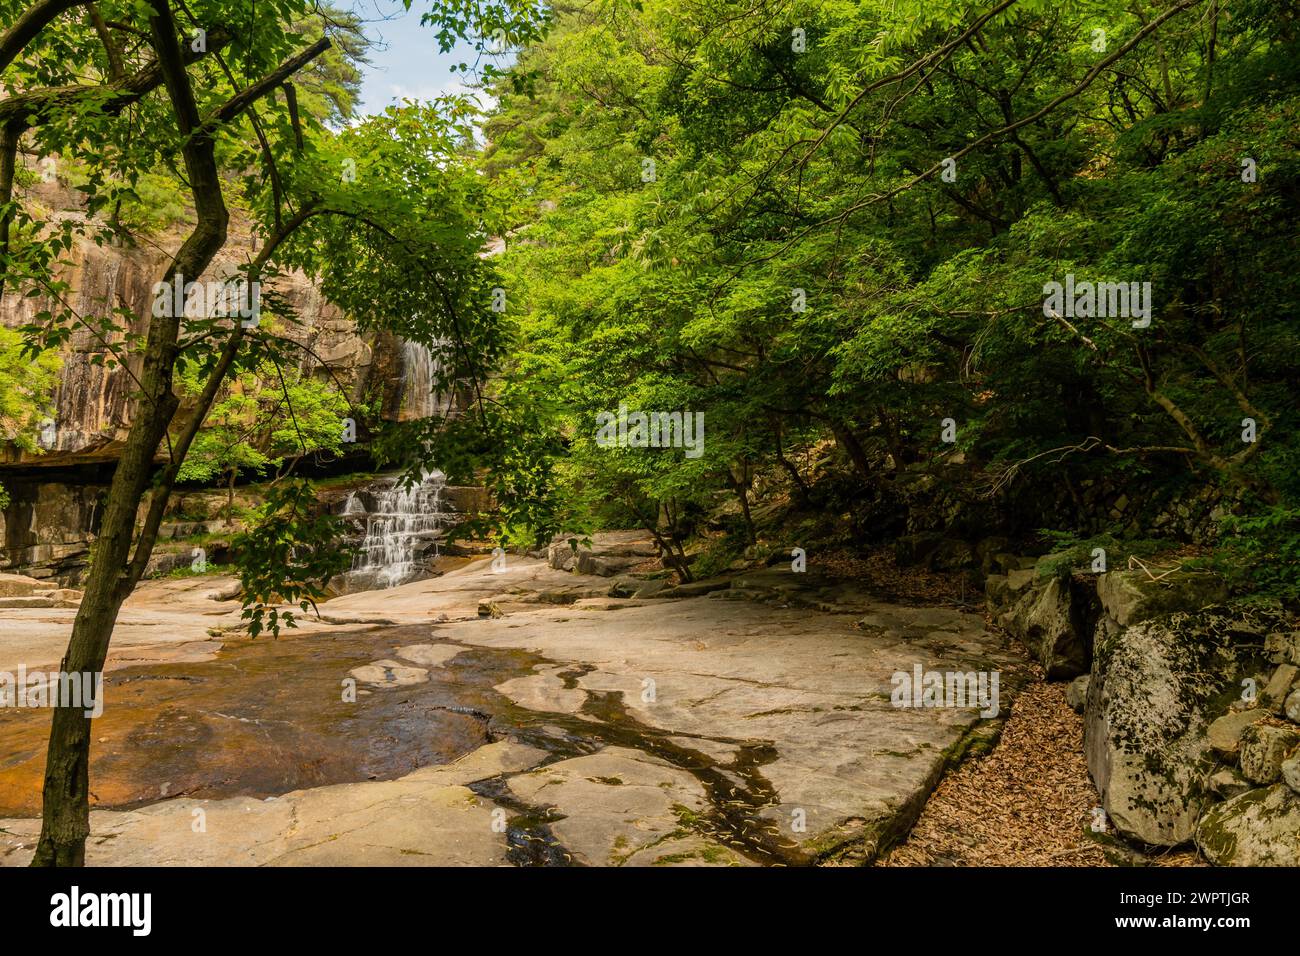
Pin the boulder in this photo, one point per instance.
(228, 591)
(1263, 748)
(696, 588)
(1051, 620)
(652, 587)
(622, 587)
(1004, 590)
(1225, 732)
(990, 553)
(1076, 693)
(1291, 772)
(607, 554)
(1020, 578)
(20, 585)
(1258, 828)
(1155, 689)
(995, 590)
(1283, 647)
(1292, 706)
(561, 556)
(62, 597)
(604, 565)
(1273, 696)
(1130, 597)
(1228, 783)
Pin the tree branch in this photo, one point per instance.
(181, 446)
(241, 100)
(31, 23)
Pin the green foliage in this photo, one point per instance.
(779, 168)
(268, 415)
(386, 215)
(1072, 552)
(188, 571)
(1261, 551)
(329, 87)
(26, 388)
(287, 555)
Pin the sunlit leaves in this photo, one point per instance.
(287, 555)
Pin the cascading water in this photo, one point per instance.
(399, 526)
(421, 367)
(403, 527)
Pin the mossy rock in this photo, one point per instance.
(1155, 689)
(1258, 828)
(1130, 597)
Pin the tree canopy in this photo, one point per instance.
(837, 222)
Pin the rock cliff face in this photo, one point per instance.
(94, 403)
(54, 494)
(48, 523)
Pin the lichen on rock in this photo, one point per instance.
(1155, 688)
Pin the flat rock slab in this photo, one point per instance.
(700, 731)
(166, 619)
(620, 804)
(428, 655)
(427, 818)
(390, 674)
(788, 711)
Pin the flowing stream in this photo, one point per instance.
(403, 527)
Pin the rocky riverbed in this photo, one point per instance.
(520, 716)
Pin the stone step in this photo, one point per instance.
(19, 602)
(19, 585)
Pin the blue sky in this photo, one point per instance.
(405, 60)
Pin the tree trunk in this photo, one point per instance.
(667, 555)
(66, 808)
(845, 438)
(740, 485)
(65, 821)
(805, 496)
(10, 133)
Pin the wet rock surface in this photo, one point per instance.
(729, 729)
(430, 817)
(265, 717)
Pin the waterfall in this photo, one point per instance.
(402, 526)
(421, 367)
